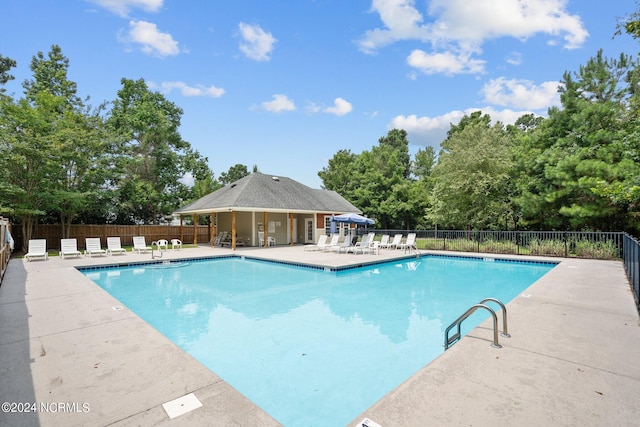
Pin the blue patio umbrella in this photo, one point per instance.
(334, 227)
(352, 218)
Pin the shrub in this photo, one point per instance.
(498, 247)
(431, 243)
(547, 247)
(462, 245)
(600, 250)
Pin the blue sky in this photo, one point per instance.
(285, 84)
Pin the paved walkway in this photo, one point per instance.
(573, 359)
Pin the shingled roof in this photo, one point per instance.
(261, 192)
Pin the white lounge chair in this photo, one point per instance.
(140, 244)
(332, 243)
(359, 246)
(322, 241)
(384, 242)
(346, 244)
(37, 248)
(69, 247)
(397, 240)
(176, 244)
(93, 247)
(410, 243)
(114, 246)
(373, 246)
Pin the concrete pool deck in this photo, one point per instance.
(83, 359)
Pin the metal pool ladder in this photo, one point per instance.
(448, 341)
(159, 250)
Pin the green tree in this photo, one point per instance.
(475, 118)
(25, 164)
(337, 175)
(49, 146)
(235, 172)
(6, 64)
(50, 75)
(378, 181)
(424, 161)
(156, 157)
(205, 185)
(583, 146)
(472, 178)
(85, 151)
(630, 23)
(396, 139)
(526, 196)
(421, 187)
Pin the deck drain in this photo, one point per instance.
(117, 307)
(181, 405)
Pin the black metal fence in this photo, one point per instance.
(596, 245)
(631, 259)
(5, 245)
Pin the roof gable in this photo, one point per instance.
(259, 191)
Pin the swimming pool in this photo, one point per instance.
(313, 347)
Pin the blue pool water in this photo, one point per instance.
(313, 347)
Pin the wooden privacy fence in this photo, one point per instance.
(53, 233)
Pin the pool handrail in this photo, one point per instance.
(450, 341)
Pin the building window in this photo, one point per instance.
(341, 227)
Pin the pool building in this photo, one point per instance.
(260, 209)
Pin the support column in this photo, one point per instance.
(181, 230)
(212, 229)
(195, 229)
(233, 230)
(290, 228)
(266, 228)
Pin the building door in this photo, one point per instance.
(308, 231)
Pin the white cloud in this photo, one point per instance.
(524, 94)
(514, 58)
(151, 40)
(340, 107)
(431, 131)
(186, 90)
(426, 130)
(459, 28)
(478, 21)
(447, 63)
(312, 107)
(122, 7)
(401, 20)
(279, 104)
(256, 43)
